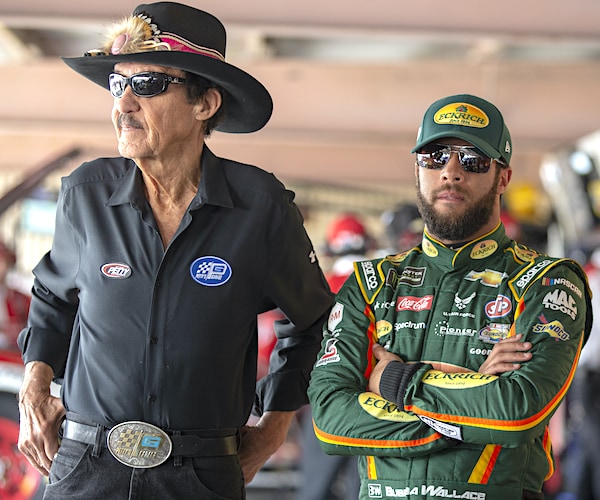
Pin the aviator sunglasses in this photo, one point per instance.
(147, 84)
(436, 156)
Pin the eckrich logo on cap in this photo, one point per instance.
(459, 113)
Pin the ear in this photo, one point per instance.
(208, 104)
(505, 176)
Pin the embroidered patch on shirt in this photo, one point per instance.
(116, 270)
(210, 271)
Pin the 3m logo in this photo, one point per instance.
(375, 490)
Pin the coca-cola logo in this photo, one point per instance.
(410, 303)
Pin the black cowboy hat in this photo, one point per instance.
(178, 36)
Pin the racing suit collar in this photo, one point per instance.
(473, 251)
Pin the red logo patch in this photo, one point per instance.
(410, 303)
(116, 270)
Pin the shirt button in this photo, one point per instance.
(152, 398)
(154, 339)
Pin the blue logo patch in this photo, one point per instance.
(210, 271)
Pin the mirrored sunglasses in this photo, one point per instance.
(146, 84)
(436, 156)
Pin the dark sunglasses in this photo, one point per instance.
(436, 156)
(147, 84)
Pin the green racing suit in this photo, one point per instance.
(444, 430)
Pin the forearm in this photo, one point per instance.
(36, 382)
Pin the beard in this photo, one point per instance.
(462, 226)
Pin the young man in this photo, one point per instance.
(441, 366)
(146, 306)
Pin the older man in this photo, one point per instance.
(146, 306)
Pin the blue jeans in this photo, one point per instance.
(77, 474)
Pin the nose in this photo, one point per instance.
(453, 170)
(127, 102)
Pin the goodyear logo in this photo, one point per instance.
(459, 113)
(466, 380)
(382, 409)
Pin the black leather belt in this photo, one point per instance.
(185, 444)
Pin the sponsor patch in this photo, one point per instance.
(382, 328)
(528, 276)
(559, 300)
(494, 332)
(416, 304)
(335, 316)
(410, 325)
(384, 305)
(459, 113)
(498, 308)
(331, 353)
(489, 277)
(478, 351)
(457, 380)
(563, 282)
(524, 253)
(462, 303)
(484, 249)
(442, 329)
(375, 490)
(210, 271)
(429, 248)
(448, 430)
(554, 329)
(382, 409)
(412, 276)
(369, 274)
(116, 270)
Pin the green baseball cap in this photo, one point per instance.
(470, 118)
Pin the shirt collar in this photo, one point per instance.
(213, 188)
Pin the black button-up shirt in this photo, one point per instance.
(169, 337)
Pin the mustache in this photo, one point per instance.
(451, 189)
(128, 121)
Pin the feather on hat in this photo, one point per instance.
(178, 36)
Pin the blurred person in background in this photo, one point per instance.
(403, 228)
(581, 461)
(14, 305)
(328, 477)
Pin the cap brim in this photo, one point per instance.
(248, 104)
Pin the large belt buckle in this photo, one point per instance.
(139, 445)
